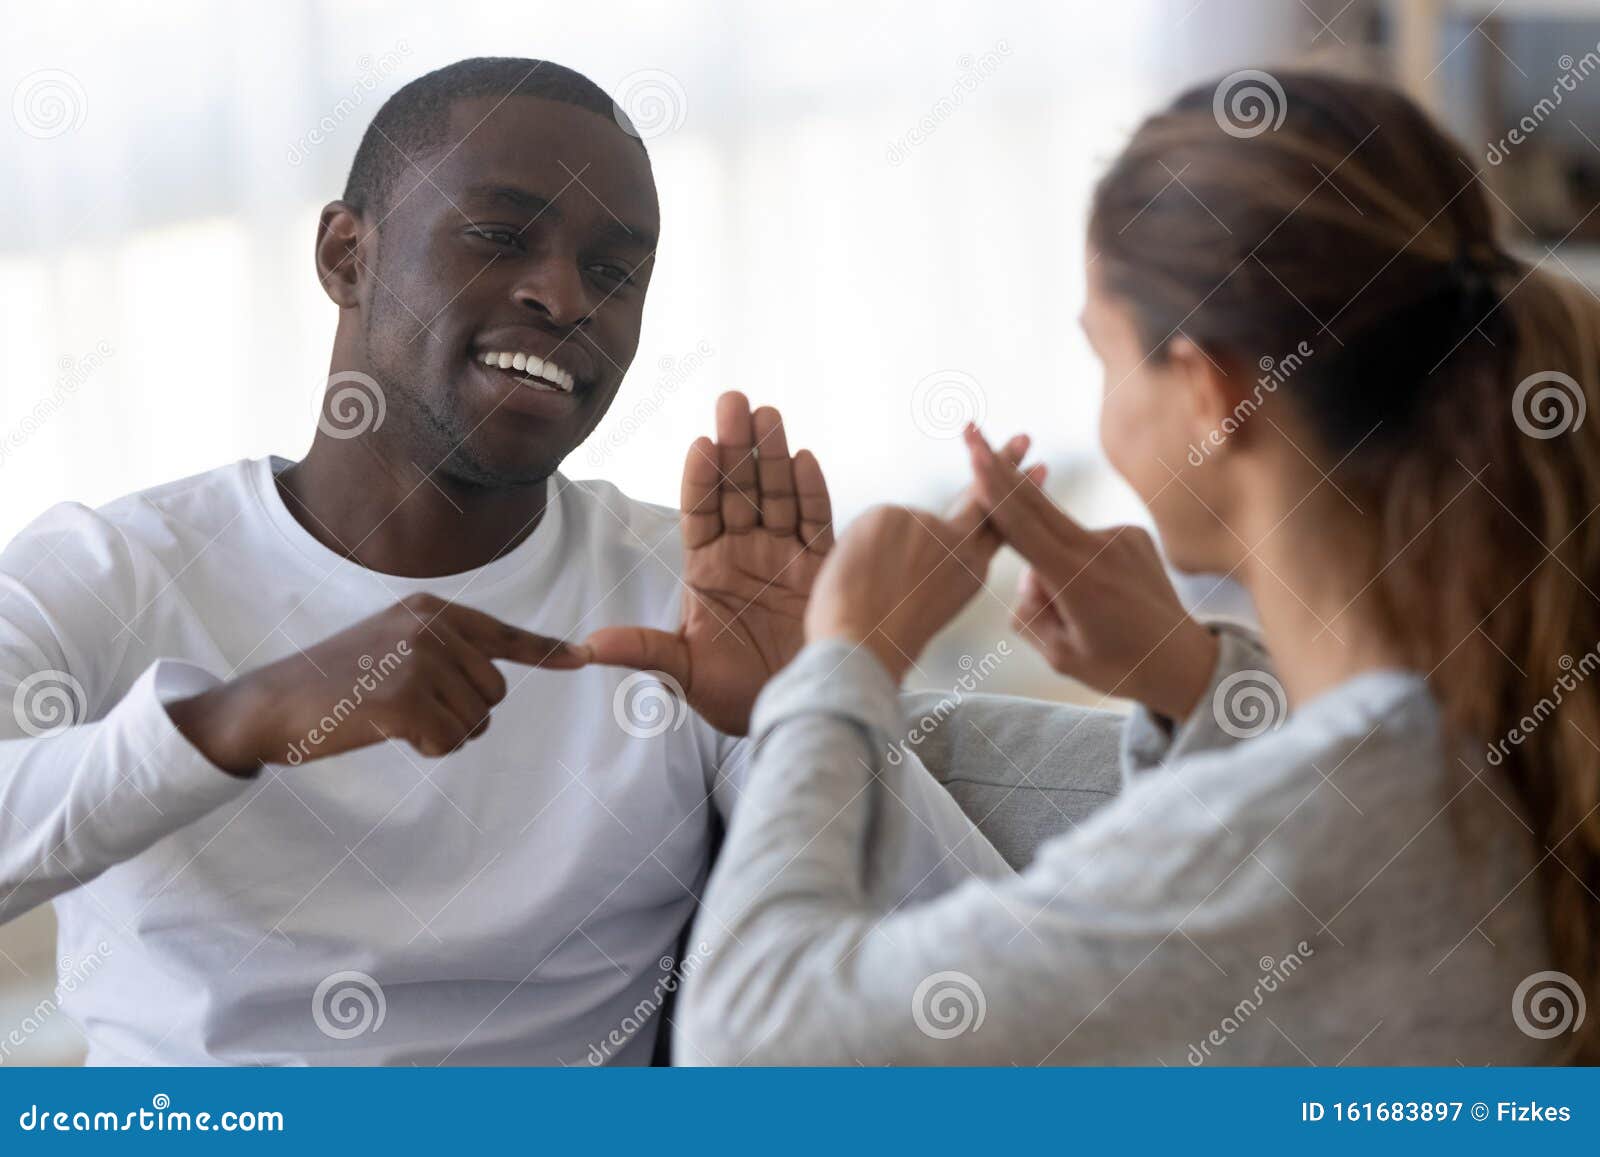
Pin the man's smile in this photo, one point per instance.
(532, 371)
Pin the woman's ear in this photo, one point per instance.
(1208, 391)
(340, 236)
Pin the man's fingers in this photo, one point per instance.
(701, 496)
(434, 729)
(816, 509)
(736, 457)
(460, 698)
(500, 640)
(485, 678)
(642, 649)
(774, 472)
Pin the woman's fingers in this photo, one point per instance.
(1024, 514)
(967, 536)
(1033, 608)
(1038, 620)
(1013, 451)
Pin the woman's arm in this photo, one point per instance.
(806, 966)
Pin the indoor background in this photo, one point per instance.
(872, 217)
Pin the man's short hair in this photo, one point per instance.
(414, 120)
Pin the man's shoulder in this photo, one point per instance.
(199, 507)
(210, 497)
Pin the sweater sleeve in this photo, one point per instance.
(1242, 700)
(806, 966)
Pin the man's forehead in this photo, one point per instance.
(549, 148)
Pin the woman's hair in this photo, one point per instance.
(1447, 384)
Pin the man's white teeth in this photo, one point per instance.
(540, 374)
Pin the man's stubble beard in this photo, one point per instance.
(430, 431)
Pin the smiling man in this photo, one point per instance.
(251, 759)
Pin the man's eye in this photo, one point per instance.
(615, 274)
(505, 238)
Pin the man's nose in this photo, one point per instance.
(554, 287)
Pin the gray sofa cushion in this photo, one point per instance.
(1023, 770)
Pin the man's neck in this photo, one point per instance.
(400, 518)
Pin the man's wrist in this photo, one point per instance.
(220, 724)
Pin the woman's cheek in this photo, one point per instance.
(1119, 435)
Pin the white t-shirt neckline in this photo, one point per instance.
(534, 554)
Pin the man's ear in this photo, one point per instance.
(340, 238)
(1210, 390)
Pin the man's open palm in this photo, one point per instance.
(756, 525)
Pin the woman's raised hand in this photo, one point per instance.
(1096, 603)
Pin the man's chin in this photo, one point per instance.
(489, 462)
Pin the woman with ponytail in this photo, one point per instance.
(1326, 377)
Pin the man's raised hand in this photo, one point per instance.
(756, 525)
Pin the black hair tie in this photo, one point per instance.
(1473, 281)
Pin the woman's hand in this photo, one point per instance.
(1096, 603)
(898, 575)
